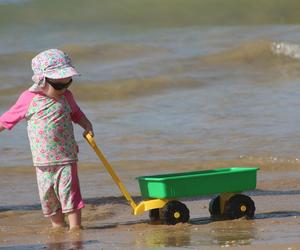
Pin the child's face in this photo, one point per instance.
(57, 87)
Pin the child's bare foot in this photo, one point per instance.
(58, 220)
(58, 228)
(75, 229)
(75, 220)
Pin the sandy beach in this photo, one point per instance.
(109, 224)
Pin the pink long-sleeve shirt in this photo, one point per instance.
(49, 126)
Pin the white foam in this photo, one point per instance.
(287, 49)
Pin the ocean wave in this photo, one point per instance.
(99, 53)
(17, 60)
(130, 88)
(268, 58)
(109, 52)
(121, 89)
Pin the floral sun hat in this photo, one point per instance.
(52, 63)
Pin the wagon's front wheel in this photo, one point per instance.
(239, 206)
(154, 215)
(175, 212)
(215, 207)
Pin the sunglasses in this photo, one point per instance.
(59, 85)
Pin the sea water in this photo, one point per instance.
(164, 80)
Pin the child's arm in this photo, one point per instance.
(1, 127)
(86, 125)
(17, 112)
(78, 116)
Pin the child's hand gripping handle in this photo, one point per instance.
(89, 138)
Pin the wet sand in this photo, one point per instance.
(109, 224)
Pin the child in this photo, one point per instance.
(49, 108)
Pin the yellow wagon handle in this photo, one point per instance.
(110, 170)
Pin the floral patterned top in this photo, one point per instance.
(50, 128)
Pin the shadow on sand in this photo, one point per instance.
(121, 200)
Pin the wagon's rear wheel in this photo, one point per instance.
(154, 215)
(175, 212)
(214, 206)
(239, 206)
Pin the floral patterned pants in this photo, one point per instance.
(59, 189)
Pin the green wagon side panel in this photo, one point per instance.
(188, 184)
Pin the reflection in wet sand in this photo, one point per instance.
(235, 233)
(165, 236)
(62, 240)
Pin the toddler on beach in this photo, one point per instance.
(49, 108)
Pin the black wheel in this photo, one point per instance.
(175, 212)
(239, 206)
(154, 215)
(214, 206)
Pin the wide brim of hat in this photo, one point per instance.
(61, 73)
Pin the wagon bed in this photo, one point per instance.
(196, 183)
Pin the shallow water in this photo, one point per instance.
(109, 224)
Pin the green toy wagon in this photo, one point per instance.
(161, 192)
